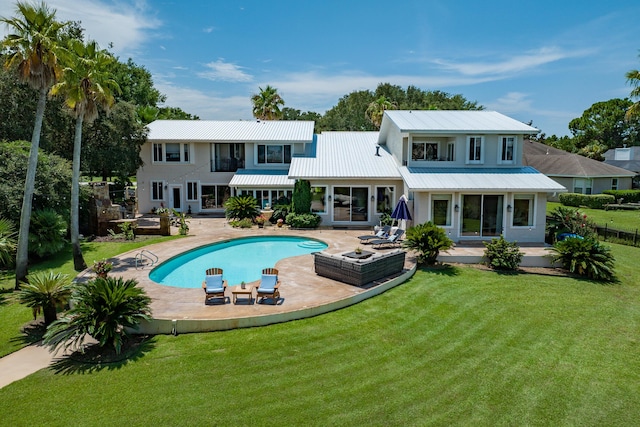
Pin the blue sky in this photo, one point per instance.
(545, 61)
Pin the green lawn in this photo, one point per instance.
(13, 316)
(623, 219)
(450, 347)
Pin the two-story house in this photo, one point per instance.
(460, 169)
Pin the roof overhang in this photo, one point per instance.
(524, 179)
(247, 178)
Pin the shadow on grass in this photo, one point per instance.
(441, 269)
(31, 333)
(95, 358)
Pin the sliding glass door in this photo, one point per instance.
(350, 204)
(482, 215)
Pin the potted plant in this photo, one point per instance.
(243, 285)
(162, 211)
(280, 222)
(260, 220)
(101, 268)
(358, 250)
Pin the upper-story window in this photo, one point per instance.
(173, 152)
(475, 150)
(424, 151)
(274, 154)
(507, 150)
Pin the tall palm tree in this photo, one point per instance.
(32, 43)
(87, 86)
(375, 110)
(267, 103)
(633, 78)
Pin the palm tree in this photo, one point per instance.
(86, 85)
(375, 110)
(32, 43)
(633, 78)
(266, 104)
(46, 292)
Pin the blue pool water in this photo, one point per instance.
(241, 259)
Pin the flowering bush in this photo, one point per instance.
(101, 268)
(568, 220)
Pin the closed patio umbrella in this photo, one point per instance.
(401, 211)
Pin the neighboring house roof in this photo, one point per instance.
(261, 178)
(626, 158)
(480, 179)
(559, 163)
(451, 122)
(231, 131)
(345, 155)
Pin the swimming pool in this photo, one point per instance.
(241, 259)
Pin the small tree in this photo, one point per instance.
(241, 207)
(585, 257)
(302, 197)
(103, 308)
(503, 255)
(428, 240)
(47, 292)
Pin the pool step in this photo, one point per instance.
(312, 245)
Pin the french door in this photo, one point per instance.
(482, 215)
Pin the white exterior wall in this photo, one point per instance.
(373, 217)
(535, 233)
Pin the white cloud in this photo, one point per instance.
(208, 106)
(225, 71)
(126, 24)
(511, 65)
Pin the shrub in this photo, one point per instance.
(428, 240)
(593, 201)
(308, 220)
(241, 207)
(241, 223)
(301, 197)
(585, 257)
(46, 291)
(8, 242)
(503, 255)
(568, 220)
(280, 211)
(46, 233)
(627, 196)
(103, 309)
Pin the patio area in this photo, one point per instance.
(303, 292)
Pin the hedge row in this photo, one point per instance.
(593, 201)
(627, 196)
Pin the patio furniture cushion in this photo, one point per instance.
(214, 283)
(268, 283)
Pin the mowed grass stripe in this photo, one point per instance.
(453, 347)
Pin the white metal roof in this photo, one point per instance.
(231, 131)
(451, 122)
(345, 155)
(261, 178)
(461, 179)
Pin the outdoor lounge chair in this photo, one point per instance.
(393, 240)
(381, 234)
(214, 285)
(268, 286)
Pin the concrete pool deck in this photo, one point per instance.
(302, 292)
